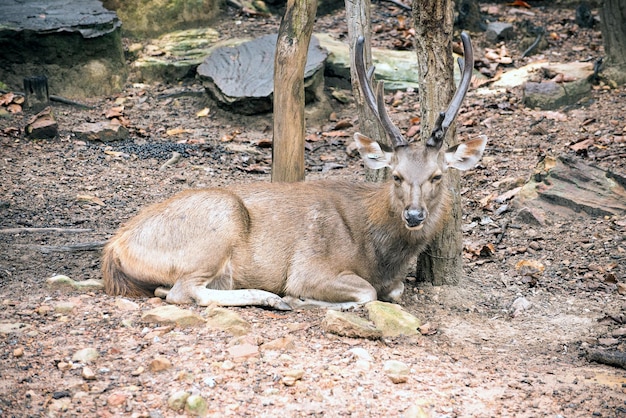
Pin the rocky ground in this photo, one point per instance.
(511, 340)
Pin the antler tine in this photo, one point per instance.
(363, 76)
(446, 118)
(375, 102)
(392, 130)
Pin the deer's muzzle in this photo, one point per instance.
(414, 217)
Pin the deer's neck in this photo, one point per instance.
(393, 243)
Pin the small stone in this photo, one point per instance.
(227, 365)
(137, 371)
(13, 328)
(227, 320)
(620, 332)
(59, 281)
(241, 352)
(86, 355)
(196, 405)
(116, 399)
(397, 371)
(291, 376)
(18, 352)
(64, 307)
(170, 314)
(88, 374)
(104, 131)
(126, 305)
(349, 325)
(360, 354)
(178, 400)
(608, 341)
(63, 366)
(283, 343)
(499, 31)
(160, 364)
(520, 305)
(43, 310)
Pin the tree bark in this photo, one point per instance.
(612, 18)
(292, 46)
(358, 17)
(442, 262)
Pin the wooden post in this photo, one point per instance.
(289, 63)
(36, 92)
(442, 262)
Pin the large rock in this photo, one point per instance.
(77, 45)
(148, 17)
(176, 55)
(565, 184)
(241, 77)
(550, 95)
(392, 320)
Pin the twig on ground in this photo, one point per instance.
(51, 229)
(84, 246)
(610, 357)
(534, 44)
(505, 225)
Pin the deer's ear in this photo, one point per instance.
(373, 155)
(465, 156)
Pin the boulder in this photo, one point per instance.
(149, 17)
(77, 45)
(176, 55)
(241, 78)
(550, 95)
(565, 184)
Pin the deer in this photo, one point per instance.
(323, 243)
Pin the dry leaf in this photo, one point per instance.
(313, 138)
(116, 154)
(177, 131)
(14, 108)
(519, 3)
(343, 124)
(203, 113)
(582, 145)
(90, 199)
(6, 98)
(114, 112)
(335, 134)
(264, 143)
(529, 267)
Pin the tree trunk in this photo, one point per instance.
(358, 17)
(291, 52)
(612, 18)
(441, 263)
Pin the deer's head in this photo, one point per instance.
(417, 168)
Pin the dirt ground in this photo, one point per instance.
(487, 356)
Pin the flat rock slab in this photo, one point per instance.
(241, 77)
(87, 17)
(566, 184)
(177, 55)
(77, 45)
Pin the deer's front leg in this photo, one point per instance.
(392, 292)
(344, 291)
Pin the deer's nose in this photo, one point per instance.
(414, 217)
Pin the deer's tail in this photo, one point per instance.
(116, 281)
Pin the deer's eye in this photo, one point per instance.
(436, 178)
(396, 178)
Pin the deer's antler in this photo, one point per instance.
(376, 101)
(446, 118)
